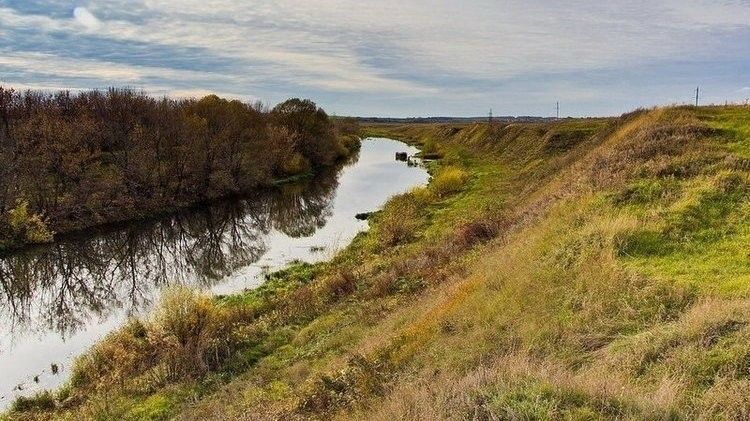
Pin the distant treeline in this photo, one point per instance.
(70, 161)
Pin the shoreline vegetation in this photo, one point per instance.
(73, 161)
(576, 269)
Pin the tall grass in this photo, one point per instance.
(449, 180)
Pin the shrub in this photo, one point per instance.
(122, 354)
(341, 284)
(399, 220)
(295, 164)
(449, 180)
(423, 195)
(43, 401)
(348, 132)
(474, 232)
(186, 319)
(188, 335)
(27, 226)
(430, 149)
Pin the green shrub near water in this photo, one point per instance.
(26, 226)
(43, 401)
(399, 221)
(181, 340)
(449, 180)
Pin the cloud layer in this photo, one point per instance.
(406, 57)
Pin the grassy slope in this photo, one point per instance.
(587, 269)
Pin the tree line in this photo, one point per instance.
(71, 161)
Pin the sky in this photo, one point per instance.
(397, 58)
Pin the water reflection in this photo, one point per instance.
(63, 286)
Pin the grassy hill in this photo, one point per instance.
(582, 269)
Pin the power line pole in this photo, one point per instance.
(697, 93)
(558, 110)
(489, 120)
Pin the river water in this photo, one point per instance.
(58, 300)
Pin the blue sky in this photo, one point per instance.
(389, 57)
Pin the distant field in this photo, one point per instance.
(449, 120)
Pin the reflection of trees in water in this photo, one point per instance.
(303, 209)
(62, 286)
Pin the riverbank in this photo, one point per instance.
(163, 210)
(59, 299)
(166, 211)
(591, 268)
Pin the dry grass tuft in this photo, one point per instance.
(399, 221)
(449, 180)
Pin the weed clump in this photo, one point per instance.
(186, 323)
(448, 181)
(475, 232)
(43, 401)
(186, 337)
(430, 149)
(339, 285)
(399, 220)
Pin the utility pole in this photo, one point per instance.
(697, 93)
(558, 110)
(489, 120)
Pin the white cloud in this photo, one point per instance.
(86, 18)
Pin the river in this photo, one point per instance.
(58, 300)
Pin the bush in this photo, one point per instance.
(26, 226)
(123, 354)
(474, 232)
(43, 401)
(340, 284)
(430, 149)
(186, 320)
(399, 220)
(449, 180)
(348, 133)
(294, 165)
(181, 341)
(423, 195)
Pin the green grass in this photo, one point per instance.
(584, 269)
(700, 237)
